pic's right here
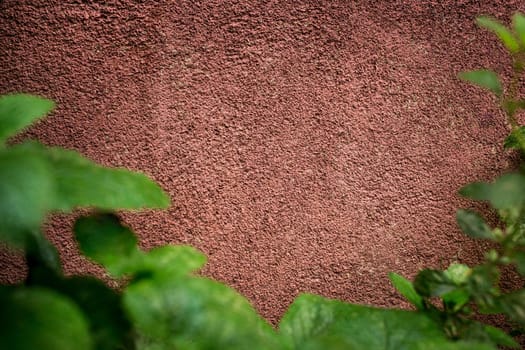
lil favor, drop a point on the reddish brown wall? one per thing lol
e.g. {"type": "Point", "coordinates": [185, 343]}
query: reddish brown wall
{"type": "Point", "coordinates": [307, 146]}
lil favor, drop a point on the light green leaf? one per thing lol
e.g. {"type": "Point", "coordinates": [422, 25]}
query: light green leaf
{"type": "Point", "coordinates": [473, 224]}
{"type": "Point", "coordinates": [173, 261]}
{"type": "Point", "coordinates": [507, 192]}
{"type": "Point", "coordinates": [26, 193]}
{"type": "Point", "coordinates": [82, 183]}
{"type": "Point", "coordinates": [458, 273]}
{"type": "Point", "coordinates": [518, 21]}
{"type": "Point", "coordinates": [18, 111]}
{"type": "Point", "coordinates": [105, 240]}
{"type": "Point", "coordinates": [313, 322]}
{"type": "Point", "coordinates": [406, 289]}
{"type": "Point", "coordinates": [195, 313]}
{"type": "Point", "coordinates": [37, 318]}
{"type": "Point", "coordinates": [503, 33]}
{"type": "Point", "coordinates": [483, 78]}
{"type": "Point", "coordinates": [513, 140]}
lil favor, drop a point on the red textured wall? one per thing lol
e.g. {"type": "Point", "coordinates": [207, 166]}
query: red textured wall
{"type": "Point", "coordinates": [307, 146]}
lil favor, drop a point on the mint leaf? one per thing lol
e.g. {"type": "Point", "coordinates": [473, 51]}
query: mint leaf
{"type": "Point", "coordinates": [313, 322]}
{"type": "Point", "coordinates": [518, 21]}
{"type": "Point", "coordinates": [37, 318]}
{"type": "Point", "coordinates": [82, 183]}
{"type": "Point", "coordinates": [406, 289]}
{"type": "Point", "coordinates": [502, 32]}
{"type": "Point", "coordinates": [195, 313]}
{"type": "Point", "coordinates": [483, 78]}
{"type": "Point", "coordinates": [18, 111]}
{"type": "Point", "coordinates": [473, 224]}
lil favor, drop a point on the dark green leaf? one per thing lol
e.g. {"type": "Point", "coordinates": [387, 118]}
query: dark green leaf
{"type": "Point", "coordinates": [473, 224]}
{"type": "Point", "coordinates": [499, 337]}
{"type": "Point", "coordinates": [102, 306]}
{"type": "Point", "coordinates": [503, 33]}
{"type": "Point", "coordinates": [37, 318]}
{"type": "Point", "coordinates": [41, 255]}
{"type": "Point", "coordinates": [26, 193]}
{"type": "Point", "coordinates": [513, 305]}
{"type": "Point", "coordinates": [518, 21]}
{"type": "Point", "coordinates": [195, 313]}
{"type": "Point", "coordinates": [430, 283]}
{"type": "Point", "coordinates": [456, 299]}
{"type": "Point", "coordinates": [479, 191]}
{"type": "Point", "coordinates": [513, 140]}
{"type": "Point", "coordinates": [519, 258]}
{"type": "Point", "coordinates": [82, 183]}
{"type": "Point", "coordinates": [313, 322]}
{"type": "Point", "coordinates": [105, 240]}
{"type": "Point", "coordinates": [483, 78]}
{"type": "Point", "coordinates": [406, 289]}
{"type": "Point", "coordinates": [18, 111]}
{"type": "Point", "coordinates": [482, 285]}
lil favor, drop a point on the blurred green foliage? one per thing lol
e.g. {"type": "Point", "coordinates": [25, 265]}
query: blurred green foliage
{"type": "Point", "coordinates": [163, 304]}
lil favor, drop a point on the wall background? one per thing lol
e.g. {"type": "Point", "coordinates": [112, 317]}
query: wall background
{"type": "Point", "coordinates": [307, 146]}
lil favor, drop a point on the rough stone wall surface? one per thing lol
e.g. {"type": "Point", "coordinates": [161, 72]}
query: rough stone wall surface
{"type": "Point", "coordinates": [306, 145]}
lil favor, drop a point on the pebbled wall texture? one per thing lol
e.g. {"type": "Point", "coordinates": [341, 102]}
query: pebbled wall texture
{"type": "Point", "coordinates": [307, 146]}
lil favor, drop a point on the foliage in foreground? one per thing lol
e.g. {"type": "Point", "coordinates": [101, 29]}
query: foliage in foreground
{"type": "Point", "coordinates": [164, 304]}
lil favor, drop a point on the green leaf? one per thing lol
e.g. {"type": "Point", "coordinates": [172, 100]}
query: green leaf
{"type": "Point", "coordinates": [473, 224]}
{"type": "Point", "coordinates": [82, 183]}
{"type": "Point", "coordinates": [41, 256]}
{"type": "Point", "coordinates": [26, 193]}
{"type": "Point", "coordinates": [518, 21]}
{"type": "Point", "coordinates": [482, 285]}
{"type": "Point", "coordinates": [195, 313]}
{"type": "Point", "coordinates": [313, 320]}
{"type": "Point", "coordinates": [483, 78]}
{"type": "Point", "coordinates": [105, 240]}
{"type": "Point", "coordinates": [499, 337]}
{"type": "Point", "coordinates": [507, 192]}
{"type": "Point", "coordinates": [513, 140]}
{"type": "Point", "coordinates": [18, 111]}
{"type": "Point", "coordinates": [173, 261]}
{"type": "Point", "coordinates": [108, 324]}
{"type": "Point", "coordinates": [479, 191]}
{"type": "Point", "coordinates": [406, 289]}
{"type": "Point", "coordinates": [513, 305]}
{"type": "Point", "coordinates": [503, 33]}
{"type": "Point", "coordinates": [519, 259]}
{"type": "Point", "coordinates": [36, 318]}
{"type": "Point", "coordinates": [458, 273]}
{"type": "Point", "coordinates": [456, 299]}
{"type": "Point", "coordinates": [430, 283]}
